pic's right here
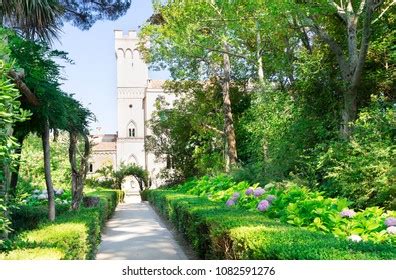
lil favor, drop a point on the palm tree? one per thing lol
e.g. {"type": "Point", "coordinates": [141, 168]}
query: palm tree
{"type": "Point", "coordinates": [34, 19]}
{"type": "Point", "coordinates": [42, 19]}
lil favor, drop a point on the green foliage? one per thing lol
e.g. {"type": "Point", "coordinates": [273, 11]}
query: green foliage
{"type": "Point", "coordinates": [10, 114]}
{"type": "Point", "coordinates": [189, 134]}
{"type": "Point", "coordinates": [362, 169]}
{"type": "Point", "coordinates": [4, 220]}
{"type": "Point", "coordinates": [216, 232]}
{"type": "Point", "coordinates": [289, 128]}
{"type": "Point", "coordinates": [28, 217]}
{"type": "Point", "coordinates": [32, 167]}
{"type": "Point", "coordinates": [295, 205]}
{"type": "Point", "coordinates": [75, 234]}
{"type": "Point", "coordinates": [34, 254]}
{"type": "Point", "coordinates": [107, 177]}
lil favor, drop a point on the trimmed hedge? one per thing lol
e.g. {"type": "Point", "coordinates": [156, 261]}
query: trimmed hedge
{"type": "Point", "coordinates": [74, 235]}
{"type": "Point", "coordinates": [34, 254]}
{"type": "Point", "coordinates": [217, 232]}
{"type": "Point", "coordinates": [27, 217]}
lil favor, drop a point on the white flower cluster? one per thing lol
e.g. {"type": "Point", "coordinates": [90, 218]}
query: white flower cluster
{"type": "Point", "coordinates": [43, 194]}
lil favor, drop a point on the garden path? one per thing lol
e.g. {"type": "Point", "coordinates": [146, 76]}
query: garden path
{"type": "Point", "coordinates": [136, 232]}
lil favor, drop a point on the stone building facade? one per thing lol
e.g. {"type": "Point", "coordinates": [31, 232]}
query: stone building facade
{"type": "Point", "coordinates": [136, 96]}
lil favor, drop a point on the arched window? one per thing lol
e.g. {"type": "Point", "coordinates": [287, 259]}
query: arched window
{"type": "Point", "coordinates": [132, 132]}
{"type": "Point", "coordinates": [131, 129]}
{"type": "Point", "coordinates": [128, 54]}
{"type": "Point", "coordinates": [132, 159]}
{"type": "Point", "coordinates": [90, 167]}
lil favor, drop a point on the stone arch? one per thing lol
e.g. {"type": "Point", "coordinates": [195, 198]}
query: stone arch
{"type": "Point", "coordinates": [136, 54]}
{"type": "Point", "coordinates": [128, 54]}
{"type": "Point", "coordinates": [120, 53]}
{"type": "Point", "coordinates": [133, 159]}
{"type": "Point", "coordinates": [131, 129]}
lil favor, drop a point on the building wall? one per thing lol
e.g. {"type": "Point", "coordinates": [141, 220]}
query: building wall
{"type": "Point", "coordinates": [135, 106]}
{"type": "Point", "coordinates": [132, 77]}
{"type": "Point", "coordinates": [103, 158]}
{"type": "Point", "coordinates": [131, 69]}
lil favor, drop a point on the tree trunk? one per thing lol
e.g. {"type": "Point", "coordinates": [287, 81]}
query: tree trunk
{"type": "Point", "coordinates": [351, 66]}
{"type": "Point", "coordinates": [15, 173]}
{"type": "Point", "coordinates": [349, 112]}
{"type": "Point", "coordinates": [229, 130]}
{"type": "Point", "coordinates": [260, 70]}
{"type": "Point", "coordinates": [47, 171]}
{"type": "Point", "coordinates": [78, 174]}
{"type": "Point", "coordinates": [4, 186]}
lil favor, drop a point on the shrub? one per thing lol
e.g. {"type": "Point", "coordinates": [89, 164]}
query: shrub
{"type": "Point", "coordinates": [217, 232]}
{"type": "Point", "coordinates": [362, 169]}
{"type": "Point", "coordinates": [34, 254]}
{"type": "Point", "coordinates": [27, 217]}
{"type": "Point", "coordinates": [71, 237]}
{"type": "Point", "coordinates": [296, 205]}
{"type": "Point", "coordinates": [74, 235]}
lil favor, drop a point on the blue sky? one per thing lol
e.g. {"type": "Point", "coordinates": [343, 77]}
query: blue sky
{"type": "Point", "coordinates": [92, 77]}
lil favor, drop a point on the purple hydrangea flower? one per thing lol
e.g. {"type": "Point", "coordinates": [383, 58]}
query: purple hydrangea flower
{"type": "Point", "coordinates": [391, 230]}
{"type": "Point", "coordinates": [263, 205]}
{"type": "Point", "coordinates": [259, 192]}
{"type": "Point", "coordinates": [230, 202]}
{"type": "Point", "coordinates": [347, 213]}
{"type": "Point", "coordinates": [390, 222]}
{"type": "Point", "coordinates": [271, 198]}
{"type": "Point", "coordinates": [249, 191]}
{"type": "Point", "coordinates": [355, 238]}
{"type": "Point", "coordinates": [236, 195]}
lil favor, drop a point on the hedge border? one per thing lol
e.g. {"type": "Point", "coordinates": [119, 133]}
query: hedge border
{"type": "Point", "coordinates": [74, 235]}
{"type": "Point", "coordinates": [217, 232]}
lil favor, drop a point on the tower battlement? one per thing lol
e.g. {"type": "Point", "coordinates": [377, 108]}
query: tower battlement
{"type": "Point", "coordinates": [119, 34]}
{"type": "Point", "coordinates": [132, 71]}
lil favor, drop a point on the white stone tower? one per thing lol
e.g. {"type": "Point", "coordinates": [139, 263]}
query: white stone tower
{"type": "Point", "coordinates": [132, 79]}
{"type": "Point", "coordinates": [136, 99]}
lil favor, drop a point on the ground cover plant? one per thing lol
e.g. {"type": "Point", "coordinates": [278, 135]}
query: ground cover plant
{"type": "Point", "coordinates": [225, 219]}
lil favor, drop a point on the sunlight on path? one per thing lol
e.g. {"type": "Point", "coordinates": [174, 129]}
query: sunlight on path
{"type": "Point", "coordinates": [136, 232]}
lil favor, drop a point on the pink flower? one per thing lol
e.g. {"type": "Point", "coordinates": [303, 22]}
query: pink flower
{"type": "Point", "coordinates": [258, 192]}
{"type": "Point", "coordinates": [249, 191]}
{"type": "Point", "coordinates": [391, 221]}
{"type": "Point", "coordinates": [236, 195]}
{"type": "Point", "coordinates": [271, 198]}
{"type": "Point", "coordinates": [230, 202]}
{"type": "Point", "coordinates": [263, 205]}
{"type": "Point", "coordinates": [347, 213]}
{"type": "Point", "coordinates": [391, 230]}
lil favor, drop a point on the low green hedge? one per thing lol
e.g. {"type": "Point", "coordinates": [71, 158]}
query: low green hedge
{"type": "Point", "coordinates": [34, 254]}
{"type": "Point", "coordinates": [27, 217]}
{"type": "Point", "coordinates": [74, 235]}
{"type": "Point", "coordinates": [217, 232]}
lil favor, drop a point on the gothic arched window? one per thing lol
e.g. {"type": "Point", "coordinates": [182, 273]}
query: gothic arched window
{"type": "Point", "coordinates": [131, 129]}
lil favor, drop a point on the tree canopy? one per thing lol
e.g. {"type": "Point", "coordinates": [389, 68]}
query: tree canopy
{"type": "Point", "coordinates": [301, 77]}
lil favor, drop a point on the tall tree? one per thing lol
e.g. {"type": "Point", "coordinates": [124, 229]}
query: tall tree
{"type": "Point", "coordinates": [45, 136]}
{"type": "Point", "coordinates": [32, 18]}
{"type": "Point", "coordinates": [356, 19]}
{"type": "Point", "coordinates": [77, 126]}
{"type": "Point", "coordinates": [197, 35]}
{"type": "Point", "coordinates": [51, 112]}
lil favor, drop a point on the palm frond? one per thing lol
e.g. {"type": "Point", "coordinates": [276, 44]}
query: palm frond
{"type": "Point", "coordinates": [34, 19]}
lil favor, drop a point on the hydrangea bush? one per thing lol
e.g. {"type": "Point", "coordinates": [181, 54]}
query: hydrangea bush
{"type": "Point", "coordinates": [298, 206]}
{"type": "Point", "coordinates": [40, 197]}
